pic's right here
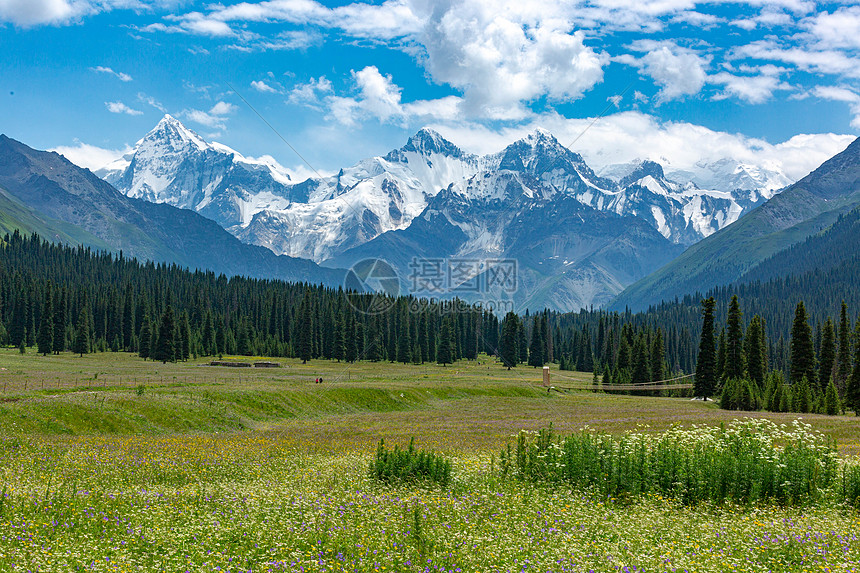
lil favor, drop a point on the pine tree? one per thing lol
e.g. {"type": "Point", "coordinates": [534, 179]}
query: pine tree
{"type": "Point", "coordinates": [509, 353]}
{"type": "Point", "coordinates": [165, 348]}
{"type": "Point", "coordinates": [707, 361]}
{"type": "Point", "coordinates": [404, 343]}
{"type": "Point", "coordinates": [185, 335]}
{"type": "Point", "coordinates": [46, 323]}
{"type": "Point", "coordinates": [734, 365]}
{"type": "Point", "coordinates": [220, 336]}
{"type": "Point", "coordinates": [722, 354]}
{"type": "Point", "coordinates": [536, 351]}
{"type": "Point", "coordinates": [351, 344]}
{"type": "Point", "coordinates": [658, 357]}
{"type": "Point", "coordinates": [306, 328]}
{"type": "Point", "coordinates": [444, 352]}
{"type": "Point", "coordinates": [243, 339]}
{"type": "Point", "coordinates": [755, 352]}
{"type": "Point", "coordinates": [60, 311]}
{"type": "Point", "coordinates": [82, 333]}
{"type": "Point", "coordinates": [522, 345]}
{"type": "Point", "coordinates": [852, 390]}
{"type": "Point", "coordinates": [640, 374]}
{"type": "Point", "coordinates": [843, 357]}
{"type": "Point", "coordinates": [802, 395]}
{"type": "Point", "coordinates": [802, 350]}
{"type": "Point", "coordinates": [827, 356]}
{"type": "Point", "coordinates": [423, 338]}
{"type": "Point", "coordinates": [831, 400]}
{"type": "Point", "coordinates": [145, 338]}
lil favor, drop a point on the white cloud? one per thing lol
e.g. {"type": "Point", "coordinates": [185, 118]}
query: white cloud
{"type": "Point", "coordinates": [839, 29]}
{"type": "Point", "coordinates": [677, 70]}
{"type": "Point", "coordinates": [821, 61]}
{"type": "Point", "coordinates": [119, 107]}
{"type": "Point", "coordinates": [263, 87]}
{"type": "Point", "coordinates": [309, 94]}
{"type": "Point", "coordinates": [28, 13]}
{"type": "Point", "coordinates": [502, 55]}
{"type": "Point", "coordinates": [215, 118]}
{"type": "Point", "coordinates": [90, 156]}
{"type": "Point", "coordinates": [752, 89]}
{"type": "Point", "coordinates": [122, 76]}
{"type": "Point", "coordinates": [627, 136]}
{"type": "Point", "coordinates": [151, 101]}
{"type": "Point", "coordinates": [379, 97]}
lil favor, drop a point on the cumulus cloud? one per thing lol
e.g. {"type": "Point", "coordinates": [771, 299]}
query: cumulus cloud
{"type": "Point", "coordinates": [122, 76]}
{"type": "Point", "coordinates": [820, 61]}
{"type": "Point", "coordinates": [262, 87]}
{"type": "Point", "coordinates": [89, 156]}
{"type": "Point", "coordinates": [679, 71]}
{"type": "Point", "coordinates": [380, 98]}
{"type": "Point", "coordinates": [838, 29]}
{"type": "Point", "coordinates": [28, 13]}
{"type": "Point", "coordinates": [754, 89]}
{"type": "Point", "coordinates": [119, 107]}
{"type": "Point", "coordinates": [215, 118]}
{"type": "Point", "coordinates": [310, 94]}
{"type": "Point", "coordinates": [501, 56]}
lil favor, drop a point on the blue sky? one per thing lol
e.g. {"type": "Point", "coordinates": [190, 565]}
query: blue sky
{"type": "Point", "coordinates": [678, 80]}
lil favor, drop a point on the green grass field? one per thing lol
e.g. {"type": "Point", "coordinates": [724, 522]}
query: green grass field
{"type": "Point", "coordinates": [110, 463]}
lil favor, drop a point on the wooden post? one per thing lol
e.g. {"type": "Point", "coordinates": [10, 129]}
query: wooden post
{"type": "Point", "coordinates": [546, 375]}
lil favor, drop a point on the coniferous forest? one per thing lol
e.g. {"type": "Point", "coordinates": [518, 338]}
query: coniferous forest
{"type": "Point", "coordinates": [59, 298]}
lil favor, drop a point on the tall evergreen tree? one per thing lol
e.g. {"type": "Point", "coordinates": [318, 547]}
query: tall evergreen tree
{"type": "Point", "coordinates": [509, 353]}
{"type": "Point", "coordinates": [827, 356]}
{"type": "Point", "coordinates": [404, 342]}
{"type": "Point", "coordinates": [306, 328]}
{"type": "Point", "coordinates": [536, 352]}
{"type": "Point", "coordinates": [144, 346]}
{"type": "Point", "coordinates": [802, 350]}
{"type": "Point", "coordinates": [522, 344]}
{"type": "Point", "coordinates": [706, 365]}
{"type": "Point", "coordinates": [445, 351]}
{"type": "Point", "coordinates": [852, 390]}
{"type": "Point", "coordinates": [755, 352]}
{"type": "Point", "coordinates": [641, 356]}
{"type": "Point", "coordinates": [165, 347]}
{"type": "Point", "coordinates": [46, 323]}
{"type": "Point", "coordinates": [734, 365]}
{"type": "Point", "coordinates": [843, 356]}
{"type": "Point", "coordinates": [658, 357]}
{"type": "Point", "coordinates": [60, 312]}
{"type": "Point", "coordinates": [82, 333]}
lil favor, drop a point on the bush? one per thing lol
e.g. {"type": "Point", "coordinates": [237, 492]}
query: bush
{"type": "Point", "coordinates": [409, 465]}
{"type": "Point", "coordinates": [749, 461]}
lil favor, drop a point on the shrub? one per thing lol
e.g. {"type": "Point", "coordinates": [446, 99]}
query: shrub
{"type": "Point", "coordinates": [409, 465]}
{"type": "Point", "coordinates": [749, 461]}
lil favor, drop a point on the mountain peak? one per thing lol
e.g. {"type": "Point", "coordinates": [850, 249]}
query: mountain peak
{"type": "Point", "coordinates": [427, 141]}
{"type": "Point", "coordinates": [644, 169]}
{"type": "Point", "coordinates": [173, 131]}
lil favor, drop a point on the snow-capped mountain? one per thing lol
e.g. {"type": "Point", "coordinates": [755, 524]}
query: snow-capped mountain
{"type": "Point", "coordinates": [581, 237]}
{"type": "Point", "coordinates": [174, 165]}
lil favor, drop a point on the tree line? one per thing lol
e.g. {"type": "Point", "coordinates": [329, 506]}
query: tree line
{"type": "Point", "coordinates": [823, 377]}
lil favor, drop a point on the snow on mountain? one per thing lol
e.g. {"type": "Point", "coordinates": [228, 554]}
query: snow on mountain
{"type": "Point", "coordinates": [322, 217]}
{"type": "Point", "coordinates": [174, 165]}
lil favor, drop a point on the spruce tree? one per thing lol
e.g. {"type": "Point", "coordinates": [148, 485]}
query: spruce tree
{"type": "Point", "coordinates": [641, 355]}
{"type": "Point", "coordinates": [722, 353]}
{"type": "Point", "coordinates": [802, 350]}
{"type": "Point", "coordinates": [185, 335]}
{"type": "Point", "coordinates": [145, 338]}
{"type": "Point", "coordinates": [843, 356]}
{"type": "Point", "coordinates": [444, 352]}
{"type": "Point", "coordinates": [852, 390]}
{"type": "Point", "coordinates": [509, 353]}
{"type": "Point", "coordinates": [82, 333]}
{"type": "Point", "coordinates": [165, 347]}
{"type": "Point", "coordinates": [831, 400]}
{"type": "Point", "coordinates": [60, 309]}
{"type": "Point", "coordinates": [352, 346]}
{"type": "Point", "coordinates": [522, 345]}
{"type": "Point", "coordinates": [46, 323]}
{"type": "Point", "coordinates": [755, 352]}
{"type": "Point", "coordinates": [536, 352]}
{"type": "Point", "coordinates": [827, 356]}
{"type": "Point", "coordinates": [707, 362]}
{"type": "Point", "coordinates": [734, 364]}
{"type": "Point", "coordinates": [404, 343]}
{"type": "Point", "coordinates": [306, 328]}
{"type": "Point", "coordinates": [658, 357]}
{"type": "Point", "coordinates": [423, 338]}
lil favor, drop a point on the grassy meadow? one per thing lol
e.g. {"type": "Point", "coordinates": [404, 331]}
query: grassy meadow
{"type": "Point", "coordinates": [110, 463]}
